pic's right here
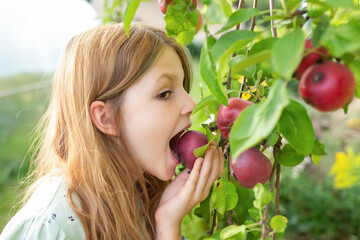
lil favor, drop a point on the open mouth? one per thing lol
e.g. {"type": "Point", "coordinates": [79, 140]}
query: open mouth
{"type": "Point", "coordinates": [174, 143]}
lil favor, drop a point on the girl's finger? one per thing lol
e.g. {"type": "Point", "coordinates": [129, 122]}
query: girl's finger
{"type": "Point", "coordinates": [192, 182]}
{"type": "Point", "coordinates": [204, 174]}
{"type": "Point", "coordinates": [215, 171]}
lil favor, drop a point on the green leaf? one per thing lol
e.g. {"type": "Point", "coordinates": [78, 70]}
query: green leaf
{"type": "Point", "coordinates": [234, 231]}
{"type": "Point", "coordinates": [288, 157]}
{"type": "Point", "coordinates": [295, 125]}
{"type": "Point", "coordinates": [257, 121]}
{"type": "Point", "coordinates": [224, 197]}
{"type": "Point", "coordinates": [355, 68]}
{"type": "Point", "coordinates": [203, 103]}
{"type": "Point", "coordinates": [238, 17]}
{"type": "Point", "coordinates": [203, 211]}
{"type": "Point", "coordinates": [317, 8]}
{"type": "Point", "coordinates": [316, 159]}
{"type": "Point", "coordinates": [218, 11]}
{"type": "Point", "coordinates": [340, 39]}
{"type": "Point", "coordinates": [319, 148]}
{"type": "Point", "coordinates": [293, 4]}
{"type": "Point", "coordinates": [208, 73]}
{"type": "Point", "coordinates": [262, 196]}
{"type": "Point", "coordinates": [254, 213]}
{"type": "Point", "coordinates": [263, 44]}
{"type": "Point", "coordinates": [278, 223]}
{"type": "Point", "coordinates": [250, 60]}
{"type": "Point", "coordinates": [321, 25]}
{"type": "Point", "coordinates": [186, 37]}
{"type": "Point", "coordinates": [200, 151]}
{"type": "Point", "coordinates": [180, 17]}
{"type": "Point", "coordinates": [230, 42]}
{"type": "Point", "coordinates": [342, 3]}
{"type": "Point", "coordinates": [248, 72]}
{"type": "Point", "coordinates": [318, 152]}
{"type": "Point", "coordinates": [130, 13]}
{"type": "Point", "coordinates": [272, 139]}
{"type": "Point", "coordinates": [286, 53]}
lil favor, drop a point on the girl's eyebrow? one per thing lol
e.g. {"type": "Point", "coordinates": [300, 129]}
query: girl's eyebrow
{"type": "Point", "coordinates": [166, 75]}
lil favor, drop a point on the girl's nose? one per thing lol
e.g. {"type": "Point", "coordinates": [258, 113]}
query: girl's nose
{"type": "Point", "coordinates": [188, 104]}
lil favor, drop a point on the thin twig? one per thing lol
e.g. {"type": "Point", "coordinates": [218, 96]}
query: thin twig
{"type": "Point", "coordinates": [277, 196]}
{"type": "Point", "coordinates": [228, 78]}
{"type": "Point", "coordinates": [277, 185]}
{"type": "Point", "coordinates": [252, 27]}
{"type": "Point", "coordinates": [228, 87]}
{"type": "Point", "coordinates": [213, 223]}
{"type": "Point", "coordinates": [264, 220]}
{"type": "Point", "coordinates": [273, 29]}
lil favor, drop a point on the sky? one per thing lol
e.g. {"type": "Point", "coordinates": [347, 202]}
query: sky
{"type": "Point", "coordinates": [34, 32]}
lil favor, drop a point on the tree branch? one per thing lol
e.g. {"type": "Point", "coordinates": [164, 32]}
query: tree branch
{"type": "Point", "coordinates": [273, 29]}
{"type": "Point", "coordinates": [213, 223]}
{"type": "Point", "coordinates": [264, 219]}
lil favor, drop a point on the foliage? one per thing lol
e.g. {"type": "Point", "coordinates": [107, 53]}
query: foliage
{"type": "Point", "coordinates": [258, 64]}
{"type": "Point", "coordinates": [18, 117]}
{"type": "Point", "coordinates": [315, 210]}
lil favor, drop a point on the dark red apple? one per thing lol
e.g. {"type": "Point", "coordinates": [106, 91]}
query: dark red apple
{"type": "Point", "coordinates": [227, 115]}
{"type": "Point", "coordinates": [328, 86]}
{"type": "Point", "coordinates": [185, 146]}
{"type": "Point", "coordinates": [314, 55]}
{"type": "Point", "coordinates": [251, 167]}
{"type": "Point", "coordinates": [164, 3]}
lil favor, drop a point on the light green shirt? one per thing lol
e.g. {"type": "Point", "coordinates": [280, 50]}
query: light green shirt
{"type": "Point", "coordinates": [47, 215]}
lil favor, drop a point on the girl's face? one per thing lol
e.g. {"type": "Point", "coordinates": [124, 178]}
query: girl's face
{"type": "Point", "coordinates": [153, 110]}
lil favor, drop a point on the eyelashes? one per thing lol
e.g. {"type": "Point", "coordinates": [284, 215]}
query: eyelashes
{"type": "Point", "coordinates": [165, 94]}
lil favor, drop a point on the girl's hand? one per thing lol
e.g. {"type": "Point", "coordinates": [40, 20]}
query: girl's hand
{"type": "Point", "coordinates": [186, 191]}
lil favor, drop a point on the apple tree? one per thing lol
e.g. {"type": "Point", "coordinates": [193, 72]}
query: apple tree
{"type": "Point", "coordinates": [247, 65]}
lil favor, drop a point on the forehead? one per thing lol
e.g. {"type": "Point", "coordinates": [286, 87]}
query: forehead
{"type": "Point", "coordinates": [167, 65]}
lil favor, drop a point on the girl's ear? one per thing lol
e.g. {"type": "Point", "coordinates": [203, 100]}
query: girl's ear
{"type": "Point", "coordinates": [100, 114]}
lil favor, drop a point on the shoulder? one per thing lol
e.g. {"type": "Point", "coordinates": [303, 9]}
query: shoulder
{"type": "Point", "coordinates": [47, 215]}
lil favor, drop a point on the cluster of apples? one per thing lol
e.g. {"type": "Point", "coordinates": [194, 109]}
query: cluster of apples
{"type": "Point", "coordinates": [325, 85]}
{"type": "Point", "coordinates": [163, 8]}
{"type": "Point", "coordinates": [250, 168]}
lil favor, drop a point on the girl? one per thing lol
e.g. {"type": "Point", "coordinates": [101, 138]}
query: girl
{"type": "Point", "coordinates": [103, 162]}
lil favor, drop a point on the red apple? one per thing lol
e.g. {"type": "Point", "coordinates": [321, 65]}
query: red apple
{"type": "Point", "coordinates": [311, 58]}
{"type": "Point", "coordinates": [227, 115]}
{"type": "Point", "coordinates": [185, 146]}
{"type": "Point", "coordinates": [251, 167]}
{"type": "Point", "coordinates": [328, 86]}
{"type": "Point", "coordinates": [164, 3]}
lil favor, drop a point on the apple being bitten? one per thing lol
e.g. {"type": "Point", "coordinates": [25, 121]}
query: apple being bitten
{"type": "Point", "coordinates": [185, 146]}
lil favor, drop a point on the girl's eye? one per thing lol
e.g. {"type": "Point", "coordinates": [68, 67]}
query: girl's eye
{"type": "Point", "coordinates": [164, 95]}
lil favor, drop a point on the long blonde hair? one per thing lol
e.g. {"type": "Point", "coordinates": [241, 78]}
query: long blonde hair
{"type": "Point", "coordinates": [117, 200]}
